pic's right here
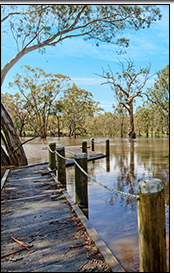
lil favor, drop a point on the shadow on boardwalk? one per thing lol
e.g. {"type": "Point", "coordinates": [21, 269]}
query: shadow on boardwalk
{"type": "Point", "coordinates": [35, 210]}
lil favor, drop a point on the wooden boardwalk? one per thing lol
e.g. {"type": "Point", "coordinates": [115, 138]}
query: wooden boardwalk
{"type": "Point", "coordinates": [35, 210]}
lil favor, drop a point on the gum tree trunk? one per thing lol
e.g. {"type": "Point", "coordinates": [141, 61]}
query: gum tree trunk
{"type": "Point", "coordinates": [131, 132]}
{"type": "Point", "coordinates": [12, 142]}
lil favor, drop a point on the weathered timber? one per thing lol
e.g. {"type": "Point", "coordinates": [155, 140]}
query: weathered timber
{"type": "Point", "coordinates": [107, 147]}
{"type": "Point", "coordinates": [36, 211]}
{"type": "Point", "coordinates": [81, 186]}
{"type": "Point", "coordinates": [52, 156]}
{"type": "Point", "coordinates": [61, 165]}
{"type": "Point", "coordinates": [84, 147]}
{"type": "Point", "coordinates": [151, 226]}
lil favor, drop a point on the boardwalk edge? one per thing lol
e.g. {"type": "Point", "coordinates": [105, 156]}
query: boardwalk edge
{"type": "Point", "coordinates": [102, 247]}
{"type": "Point", "coordinates": [4, 178]}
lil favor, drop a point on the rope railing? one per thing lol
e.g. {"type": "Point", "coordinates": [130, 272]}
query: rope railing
{"type": "Point", "coordinates": [91, 178]}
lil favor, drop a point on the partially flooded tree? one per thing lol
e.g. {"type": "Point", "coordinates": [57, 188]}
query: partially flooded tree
{"type": "Point", "coordinates": [40, 90]}
{"type": "Point", "coordinates": [127, 85]}
{"type": "Point", "coordinates": [78, 106]}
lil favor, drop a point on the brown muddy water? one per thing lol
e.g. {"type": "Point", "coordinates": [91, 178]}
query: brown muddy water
{"type": "Point", "coordinates": [114, 216]}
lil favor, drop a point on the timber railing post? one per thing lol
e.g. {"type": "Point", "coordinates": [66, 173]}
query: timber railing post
{"type": "Point", "coordinates": [81, 187]}
{"type": "Point", "coordinates": [52, 156]}
{"type": "Point", "coordinates": [107, 147]}
{"type": "Point", "coordinates": [61, 166]}
{"type": "Point", "coordinates": [151, 226]}
{"type": "Point", "coordinates": [84, 147]}
{"type": "Point", "coordinates": [92, 144]}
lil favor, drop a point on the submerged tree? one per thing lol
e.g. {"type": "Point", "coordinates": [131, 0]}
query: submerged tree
{"type": "Point", "coordinates": [127, 85]}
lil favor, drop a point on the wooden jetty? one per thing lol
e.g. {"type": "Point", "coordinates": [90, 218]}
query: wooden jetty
{"type": "Point", "coordinates": [35, 210]}
{"type": "Point", "coordinates": [72, 150]}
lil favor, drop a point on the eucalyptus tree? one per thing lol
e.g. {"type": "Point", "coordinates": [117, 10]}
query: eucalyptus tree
{"type": "Point", "coordinates": [57, 111]}
{"type": "Point", "coordinates": [122, 119]}
{"type": "Point", "coordinates": [35, 27]}
{"type": "Point", "coordinates": [40, 90]}
{"type": "Point", "coordinates": [127, 85]}
{"type": "Point", "coordinates": [158, 95]}
{"type": "Point", "coordinates": [144, 119]}
{"type": "Point", "coordinates": [78, 106]}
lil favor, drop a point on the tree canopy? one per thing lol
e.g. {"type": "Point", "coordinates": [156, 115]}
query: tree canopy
{"type": "Point", "coordinates": [40, 89]}
{"type": "Point", "coordinates": [158, 94]}
{"type": "Point", "coordinates": [78, 107]}
{"type": "Point", "coordinates": [37, 26]}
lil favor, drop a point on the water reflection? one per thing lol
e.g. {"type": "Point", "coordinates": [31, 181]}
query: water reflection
{"type": "Point", "coordinates": [108, 164]}
{"type": "Point", "coordinates": [114, 216]}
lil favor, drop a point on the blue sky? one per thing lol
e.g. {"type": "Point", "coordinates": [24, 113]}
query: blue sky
{"type": "Point", "coordinates": [80, 60]}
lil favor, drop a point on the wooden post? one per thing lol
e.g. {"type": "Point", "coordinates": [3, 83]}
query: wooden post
{"type": "Point", "coordinates": [81, 187]}
{"type": "Point", "coordinates": [61, 166]}
{"type": "Point", "coordinates": [84, 147]}
{"type": "Point", "coordinates": [92, 144]}
{"type": "Point", "coordinates": [52, 156]}
{"type": "Point", "coordinates": [107, 147]}
{"type": "Point", "coordinates": [151, 226]}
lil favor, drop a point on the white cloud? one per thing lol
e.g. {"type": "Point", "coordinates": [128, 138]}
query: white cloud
{"type": "Point", "coordinates": [87, 81]}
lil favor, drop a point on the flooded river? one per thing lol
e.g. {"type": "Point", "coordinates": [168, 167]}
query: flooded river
{"type": "Point", "coordinates": [114, 216]}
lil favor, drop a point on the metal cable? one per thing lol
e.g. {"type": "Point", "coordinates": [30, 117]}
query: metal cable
{"type": "Point", "coordinates": [90, 177]}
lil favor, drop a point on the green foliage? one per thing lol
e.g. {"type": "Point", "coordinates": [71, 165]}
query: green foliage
{"type": "Point", "coordinates": [15, 106]}
{"type": "Point", "coordinates": [49, 24]}
{"type": "Point", "coordinates": [158, 98]}
{"type": "Point", "coordinates": [39, 91]}
{"type": "Point", "coordinates": [78, 106]}
{"type": "Point", "coordinates": [158, 94]}
{"type": "Point", "coordinates": [166, 154]}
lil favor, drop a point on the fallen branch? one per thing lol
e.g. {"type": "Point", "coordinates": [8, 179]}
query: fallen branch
{"type": "Point", "coordinates": [20, 243]}
{"type": "Point", "coordinates": [27, 140]}
{"type": "Point", "coordinates": [11, 253]}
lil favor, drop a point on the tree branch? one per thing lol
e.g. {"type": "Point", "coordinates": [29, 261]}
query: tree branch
{"type": "Point", "coordinates": [27, 140]}
{"type": "Point", "coordinates": [125, 106]}
{"type": "Point", "coordinates": [11, 13]}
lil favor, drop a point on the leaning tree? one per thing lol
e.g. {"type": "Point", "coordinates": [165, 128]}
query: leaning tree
{"type": "Point", "coordinates": [35, 27]}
